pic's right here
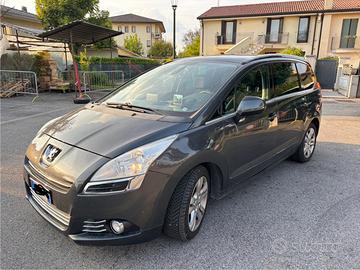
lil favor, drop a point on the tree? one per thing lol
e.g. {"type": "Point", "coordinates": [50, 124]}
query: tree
{"type": "Point", "coordinates": [54, 13]}
{"type": "Point", "coordinates": [293, 51]}
{"type": "Point", "coordinates": [161, 49]}
{"type": "Point", "coordinates": [101, 18]}
{"type": "Point", "coordinates": [192, 44]}
{"type": "Point", "coordinates": [133, 44]}
{"type": "Point", "coordinates": [190, 36]}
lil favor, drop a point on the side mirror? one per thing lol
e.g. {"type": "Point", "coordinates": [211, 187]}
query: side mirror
{"type": "Point", "coordinates": [251, 105]}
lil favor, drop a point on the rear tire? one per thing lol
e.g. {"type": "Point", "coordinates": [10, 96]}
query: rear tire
{"type": "Point", "coordinates": [307, 146]}
{"type": "Point", "coordinates": [187, 207]}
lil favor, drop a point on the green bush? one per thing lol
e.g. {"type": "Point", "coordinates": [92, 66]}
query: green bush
{"type": "Point", "coordinates": [120, 60]}
{"type": "Point", "coordinates": [98, 79]}
{"type": "Point", "coordinates": [293, 51]}
{"type": "Point", "coordinates": [330, 58]}
{"type": "Point", "coordinates": [27, 62]}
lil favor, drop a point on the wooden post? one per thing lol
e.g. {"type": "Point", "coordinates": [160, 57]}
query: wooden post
{"type": "Point", "coordinates": [17, 43]}
{"type": "Point", "coordinates": [66, 61]}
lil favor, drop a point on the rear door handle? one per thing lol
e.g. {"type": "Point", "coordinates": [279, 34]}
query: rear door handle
{"type": "Point", "coordinates": [272, 116]}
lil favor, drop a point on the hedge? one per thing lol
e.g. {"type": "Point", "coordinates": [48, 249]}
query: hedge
{"type": "Point", "coordinates": [120, 60]}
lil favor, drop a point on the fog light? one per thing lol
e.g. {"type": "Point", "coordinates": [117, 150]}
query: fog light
{"type": "Point", "coordinates": [117, 226]}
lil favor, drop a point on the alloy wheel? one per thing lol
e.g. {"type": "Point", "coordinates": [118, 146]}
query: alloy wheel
{"type": "Point", "coordinates": [198, 203]}
{"type": "Point", "coordinates": [309, 142]}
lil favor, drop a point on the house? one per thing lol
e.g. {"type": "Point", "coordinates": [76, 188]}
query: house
{"type": "Point", "coordinates": [18, 17]}
{"type": "Point", "coordinates": [148, 30]}
{"type": "Point", "coordinates": [320, 28]}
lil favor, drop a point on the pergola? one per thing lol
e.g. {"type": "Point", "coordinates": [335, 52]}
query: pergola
{"type": "Point", "coordinates": [83, 33]}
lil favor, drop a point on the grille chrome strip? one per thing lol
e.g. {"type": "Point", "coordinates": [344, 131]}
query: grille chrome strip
{"type": "Point", "coordinates": [95, 222]}
{"type": "Point", "coordinates": [94, 226]}
{"type": "Point", "coordinates": [57, 214]}
{"type": "Point", "coordinates": [94, 231]}
{"type": "Point", "coordinates": [59, 185]}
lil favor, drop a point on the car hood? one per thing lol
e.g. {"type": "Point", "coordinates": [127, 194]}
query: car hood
{"type": "Point", "coordinates": [110, 132]}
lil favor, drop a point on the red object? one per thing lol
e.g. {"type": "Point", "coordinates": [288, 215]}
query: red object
{"type": "Point", "coordinates": [278, 8]}
{"type": "Point", "coordinates": [77, 79]}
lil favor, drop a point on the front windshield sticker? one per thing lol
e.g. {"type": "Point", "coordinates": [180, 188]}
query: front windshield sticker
{"type": "Point", "coordinates": [178, 100]}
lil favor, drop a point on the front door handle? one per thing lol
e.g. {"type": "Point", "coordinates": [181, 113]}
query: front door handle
{"type": "Point", "coordinates": [272, 116]}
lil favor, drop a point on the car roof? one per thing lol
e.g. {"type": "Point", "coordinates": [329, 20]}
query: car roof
{"type": "Point", "coordinates": [242, 59]}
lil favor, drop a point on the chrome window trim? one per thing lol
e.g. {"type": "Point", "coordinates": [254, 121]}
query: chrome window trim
{"type": "Point", "coordinates": [221, 118]}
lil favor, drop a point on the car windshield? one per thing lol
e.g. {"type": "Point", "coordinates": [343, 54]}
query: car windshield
{"type": "Point", "coordinates": [180, 86]}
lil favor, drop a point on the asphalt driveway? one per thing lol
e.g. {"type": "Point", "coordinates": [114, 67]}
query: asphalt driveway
{"type": "Point", "coordinates": [292, 216]}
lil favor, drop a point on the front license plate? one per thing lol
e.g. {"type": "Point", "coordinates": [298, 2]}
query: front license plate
{"type": "Point", "coordinates": [41, 191]}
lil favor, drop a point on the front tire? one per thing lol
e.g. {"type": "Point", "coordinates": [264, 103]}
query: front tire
{"type": "Point", "coordinates": [187, 206]}
{"type": "Point", "coordinates": [307, 146]}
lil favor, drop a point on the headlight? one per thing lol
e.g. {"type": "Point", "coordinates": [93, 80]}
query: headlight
{"type": "Point", "coordinates": [131, 166]}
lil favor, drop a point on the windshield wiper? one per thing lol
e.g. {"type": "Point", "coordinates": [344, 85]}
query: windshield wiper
{"type": "Point", "coordinates": [131, 107]}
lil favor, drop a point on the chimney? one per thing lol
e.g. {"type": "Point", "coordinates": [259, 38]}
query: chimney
{"type": "Point", "coordinates": [23, 8]}
{"type": "Point", "coordinates": [328, 4]}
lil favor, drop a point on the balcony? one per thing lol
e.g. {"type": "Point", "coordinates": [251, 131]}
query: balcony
{"type": "Point", "coordinates": [221, 40]}
{"type": "Point", "coordinates": [345, 44]}
{"type": "Point", "coordinates": [278, 38]}
{"type": "Point", "coordinates": [156, 35]}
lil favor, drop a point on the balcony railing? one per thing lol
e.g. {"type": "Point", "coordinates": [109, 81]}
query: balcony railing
{"type": "Point", "coordinates": [221, 39]}
{"type": "Point", "coordinates": [278, 38]}
{"type": "Point", "coordinates": [345, 43]}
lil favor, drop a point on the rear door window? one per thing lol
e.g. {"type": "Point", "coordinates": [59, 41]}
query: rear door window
{"type": "Point", "coordinates": [307, 77]}
{"type": "Point", "coordinates": [285, 78]}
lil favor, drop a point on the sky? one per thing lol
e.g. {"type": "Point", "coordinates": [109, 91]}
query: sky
{"type": "Point", "coordinates": [186, 13]}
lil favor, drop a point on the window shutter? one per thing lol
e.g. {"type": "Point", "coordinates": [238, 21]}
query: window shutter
{"type": "Point", "coordinates": [234, 32]}
{"type": "Point", "coordinates": [268, 27]}
{"type": "Point", "coordinates": [223, 29]}
{"type": "Point", "coordinates": [281, 28]}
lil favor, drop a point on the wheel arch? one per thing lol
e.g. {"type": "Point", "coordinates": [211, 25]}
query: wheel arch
{"type": "Point", "coordinates": [316, 122]}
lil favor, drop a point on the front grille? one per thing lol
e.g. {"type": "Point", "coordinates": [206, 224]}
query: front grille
{"type": "Point", "coordinates": [94, 226]}
{"type": "Point", "coordinates": [58, 215]}
{"type": "Point", "coordinates": [60, 185]}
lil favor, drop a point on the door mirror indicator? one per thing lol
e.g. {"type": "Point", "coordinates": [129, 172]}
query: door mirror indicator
{"type": "Point", "coordinates": [250, 105]}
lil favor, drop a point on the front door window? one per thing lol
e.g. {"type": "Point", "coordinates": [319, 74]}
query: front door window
{"type": "Point", "coordinates": [303, 32]}
{"type": "Point", "coordinates": [228, 32]}
{"type": "Point", "coordinates": [274, 30]}
{"type": "Point", "coordinates": [348, 33]}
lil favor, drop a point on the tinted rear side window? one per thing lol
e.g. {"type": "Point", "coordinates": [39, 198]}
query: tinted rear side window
{"type": "Point", "coordinates": [285, 78]}
{"type": "Point", "coordinates": [307, 77]}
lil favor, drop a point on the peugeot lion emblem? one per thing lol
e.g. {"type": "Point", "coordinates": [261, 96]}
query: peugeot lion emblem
{"type": "Point", "coordinates": [50, 153]}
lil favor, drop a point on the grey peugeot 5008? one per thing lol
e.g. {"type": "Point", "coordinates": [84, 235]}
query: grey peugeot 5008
{"type": "Point", "coordinates": [146, 158]}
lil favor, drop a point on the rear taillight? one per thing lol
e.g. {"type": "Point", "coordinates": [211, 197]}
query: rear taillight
{"type": "Point", "coordinates": [317, 85]}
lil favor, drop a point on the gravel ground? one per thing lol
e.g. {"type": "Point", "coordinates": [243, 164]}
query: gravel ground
{"type": "Point", "coordinates": [292, 216]}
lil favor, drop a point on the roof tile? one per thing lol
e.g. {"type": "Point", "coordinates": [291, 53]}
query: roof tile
{"type": "Point", "coordinates": [277, 8]}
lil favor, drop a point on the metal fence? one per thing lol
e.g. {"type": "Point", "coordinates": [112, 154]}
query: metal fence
{"type": "Point", "coordinates": [13, 82]}
{"type": "Point", "coordinates": [101, 80]}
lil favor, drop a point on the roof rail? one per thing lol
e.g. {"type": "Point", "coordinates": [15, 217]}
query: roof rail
{"type": "Point", "coordinates": [273, 55]}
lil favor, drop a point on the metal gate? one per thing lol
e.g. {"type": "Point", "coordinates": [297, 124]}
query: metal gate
{"type": "Point", "coordinates": [326, 71]}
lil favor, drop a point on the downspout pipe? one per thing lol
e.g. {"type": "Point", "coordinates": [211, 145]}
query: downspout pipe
{"type": "Point", "coordinates": [202, 37]}
{"type": "Point", "coordinates": [319, 43]}
{"type": "Point", "coordinates": [314, 34]}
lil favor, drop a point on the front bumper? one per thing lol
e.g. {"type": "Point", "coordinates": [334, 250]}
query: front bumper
{"type": "Point", "coordinates": [143, 210]}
